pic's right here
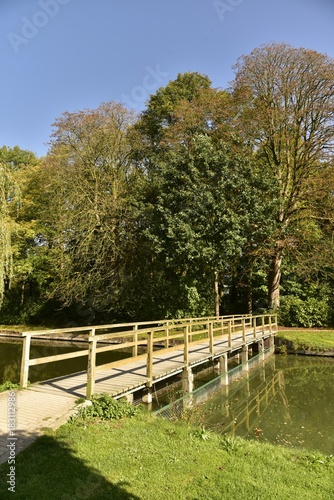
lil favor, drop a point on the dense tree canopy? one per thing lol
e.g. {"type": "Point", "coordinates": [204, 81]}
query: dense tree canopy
{"type": "Point", "coordinates": [210, 201]}
{"type": "Point", "coordinates": [89, 178]}
{"type": "Point", "coordinates": [285, 98]}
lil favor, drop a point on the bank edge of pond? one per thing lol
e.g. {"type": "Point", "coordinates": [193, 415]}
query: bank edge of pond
{"type": "Point", "coordinates": [99, 459]}
{"type": "Point", "coordinates": [308, 342]}
{"type": "Point", "coordinates": [16, 335]}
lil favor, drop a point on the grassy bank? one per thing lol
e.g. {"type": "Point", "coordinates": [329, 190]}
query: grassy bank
{"type": "Point", "coordinates": [150, 459]}
{"type": "Point", "coordinates": [309, 340]}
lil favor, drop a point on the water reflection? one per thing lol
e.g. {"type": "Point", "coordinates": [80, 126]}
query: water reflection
{"type": "Point", "coordinates": [287, 400]}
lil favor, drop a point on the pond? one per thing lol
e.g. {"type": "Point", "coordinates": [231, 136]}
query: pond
{"type": "Point", "coordinates": [289, 400]}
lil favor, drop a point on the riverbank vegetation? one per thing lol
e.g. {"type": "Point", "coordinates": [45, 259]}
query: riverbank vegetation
{"type": "Point", "coordinates": [150, 458]}
{"type": "Point", "coordinates": [308, 340]}
{"type": "Point", "coordinates": [209, 201]}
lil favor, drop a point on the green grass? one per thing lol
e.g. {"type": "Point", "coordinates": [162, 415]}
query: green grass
{"type": "Point", "coordinates": [150, 459]}
{"type": "Point", "coordinates": [21, 328]}
{"type": "Point", "coordinates": [317, 340]}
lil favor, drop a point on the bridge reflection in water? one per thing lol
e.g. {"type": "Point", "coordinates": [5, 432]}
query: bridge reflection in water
{"type": "Point", "coordinates": [235, 408]}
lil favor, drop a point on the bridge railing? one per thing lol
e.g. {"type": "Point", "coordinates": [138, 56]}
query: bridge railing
{"type": "Point", "coordinates": [144, 339]}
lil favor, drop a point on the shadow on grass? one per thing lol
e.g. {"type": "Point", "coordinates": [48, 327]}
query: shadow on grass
{"type": "Point", "coordinates": [49, 470]}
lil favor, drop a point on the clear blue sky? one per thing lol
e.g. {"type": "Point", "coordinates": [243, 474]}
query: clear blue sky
{"type": "Point", "coordinates": [66, 55]}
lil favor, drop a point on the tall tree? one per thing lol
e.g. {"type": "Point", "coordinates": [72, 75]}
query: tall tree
{"type": "Point", "coordinates": [285, 106]}
{"type": "Point", "coordinates": [18, 219]}
{"type": "Point", "coordinates": [90, 181]}
{"type": "Point", "coordinates": [14, 164]}
{"type": "Point", "coordinates": [7, 195]}
{"type": "Point", "coordinates": [207, 190]}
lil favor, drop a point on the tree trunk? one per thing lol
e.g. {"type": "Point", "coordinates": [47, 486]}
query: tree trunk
{"type": "Point", "coordinates": [249, 299]}
{"type": "Point", "coordinates": [249, 282]}
{"type": "Point", "coordinates": [217, 295]}
{"type": "Point", "coordinates": [274, 279]}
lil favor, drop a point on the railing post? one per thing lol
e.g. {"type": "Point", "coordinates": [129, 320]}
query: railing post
{"type": "Point", "coordinates": [186, 346]}
{"type": "Point", "coordinates": [167, 335]}
{"type": "Point", "coordinates": [254, 326]}
{"type": "Point", "coordinates": [91, 365]}
{"type": "Point", "coordinates": [149, 365]}
{"type": "Point", "coordinates": [230, 333]}
{"type": "Point", "coordinates": [135, 339]}
{"type": "Point", "coordinates": [243, 321]}
{"type": "Point", "coordinates": [25, 360]}
{"type": "Point", "coordinates": [210, 328]}
{"type": "Point", "coordinates": [262, 324]}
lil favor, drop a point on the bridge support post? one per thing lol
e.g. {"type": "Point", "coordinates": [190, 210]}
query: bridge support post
{"type": "Point", "coordinates": [223, 369]}
{"type": "Point", "coordinates": [129, 397]}
{"type": "Point", "coordinates": [272, 343]}
{"type": "Point", "coordinates": [187, 380]}
{"type": "Point", "coordinates": [244, 358]}
{"type": "Point", "coordinates": [261, 348]}
{"type": "Point", "coordinates": [147, 395]}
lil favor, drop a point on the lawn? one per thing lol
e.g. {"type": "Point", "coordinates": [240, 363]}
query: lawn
{"type": "Point", "coordinates": [149, 458]}
{"type": "Point", "coordinates": [315, 340]}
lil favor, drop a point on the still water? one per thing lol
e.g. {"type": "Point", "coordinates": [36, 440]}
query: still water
{"type": "Point", "coordinates": [288, 400]}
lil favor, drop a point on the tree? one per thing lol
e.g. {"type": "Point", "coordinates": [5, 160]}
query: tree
{"type": "Point", "coordinates": [207, 191]}
{"type": "Point", "coordinates": [209, 204]}
{"type": "Point", "coordinates": [18, 224]}
{"type": "Point", "coordinates": [8, 194]}
{"type": "Point", "coordinates": [90, 183]}
{"type": "Point", "coordinates": [159, 114]}
{"type": "Point", "coordinates": [285, 106]}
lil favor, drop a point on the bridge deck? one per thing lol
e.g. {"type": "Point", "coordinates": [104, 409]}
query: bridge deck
{"type": "Point", "coordinates": [51, 402]}
{"type": "Point", "coordinates": [131, 377]}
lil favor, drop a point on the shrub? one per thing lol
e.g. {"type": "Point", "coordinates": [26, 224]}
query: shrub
{"type": "Point", "coordinates": [307, 313]}
{"type": "Point", "coordinates": [7, 386]}
{"type": "Point", "coordinates": [105, 407]}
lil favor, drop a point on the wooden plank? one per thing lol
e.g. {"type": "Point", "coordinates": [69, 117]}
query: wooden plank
{"type": "Point", "coordinates": [131, 373]}
{"type": "Point", "coordinates": [57, 357]}
{"type": "Point", "coordinates": [121, 362]}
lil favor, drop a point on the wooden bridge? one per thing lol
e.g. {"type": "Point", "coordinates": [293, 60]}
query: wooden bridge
{"type": "Point", "coordinates": [155, 351]}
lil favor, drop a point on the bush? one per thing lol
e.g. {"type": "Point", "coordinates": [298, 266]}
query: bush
{"type": "Point", "coordinates": [8, 386]}
{"type": "Point", "coordinates": [105, 407]}
{"type": "Point", "coordinates": [306, 313]}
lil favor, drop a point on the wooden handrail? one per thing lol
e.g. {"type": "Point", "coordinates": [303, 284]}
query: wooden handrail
{"type": "Point", "coordinates": [112, 326]}
{"type": "Point", "coordinates": [189, 331]}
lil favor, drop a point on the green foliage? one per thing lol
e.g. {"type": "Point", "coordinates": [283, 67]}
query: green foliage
{"type": "Point", "coordinates": [7, 386]}
{"type": "Point", "coordinates": [180, 210]}
{"type": "Point", "coordinates": [201, 433]}
{"type": "Point", "coordinates": [231, 443]}
{"type": "Point", "coordinates": [104, 407]}
{"type": "Point", "coordinates": [308, 313]}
